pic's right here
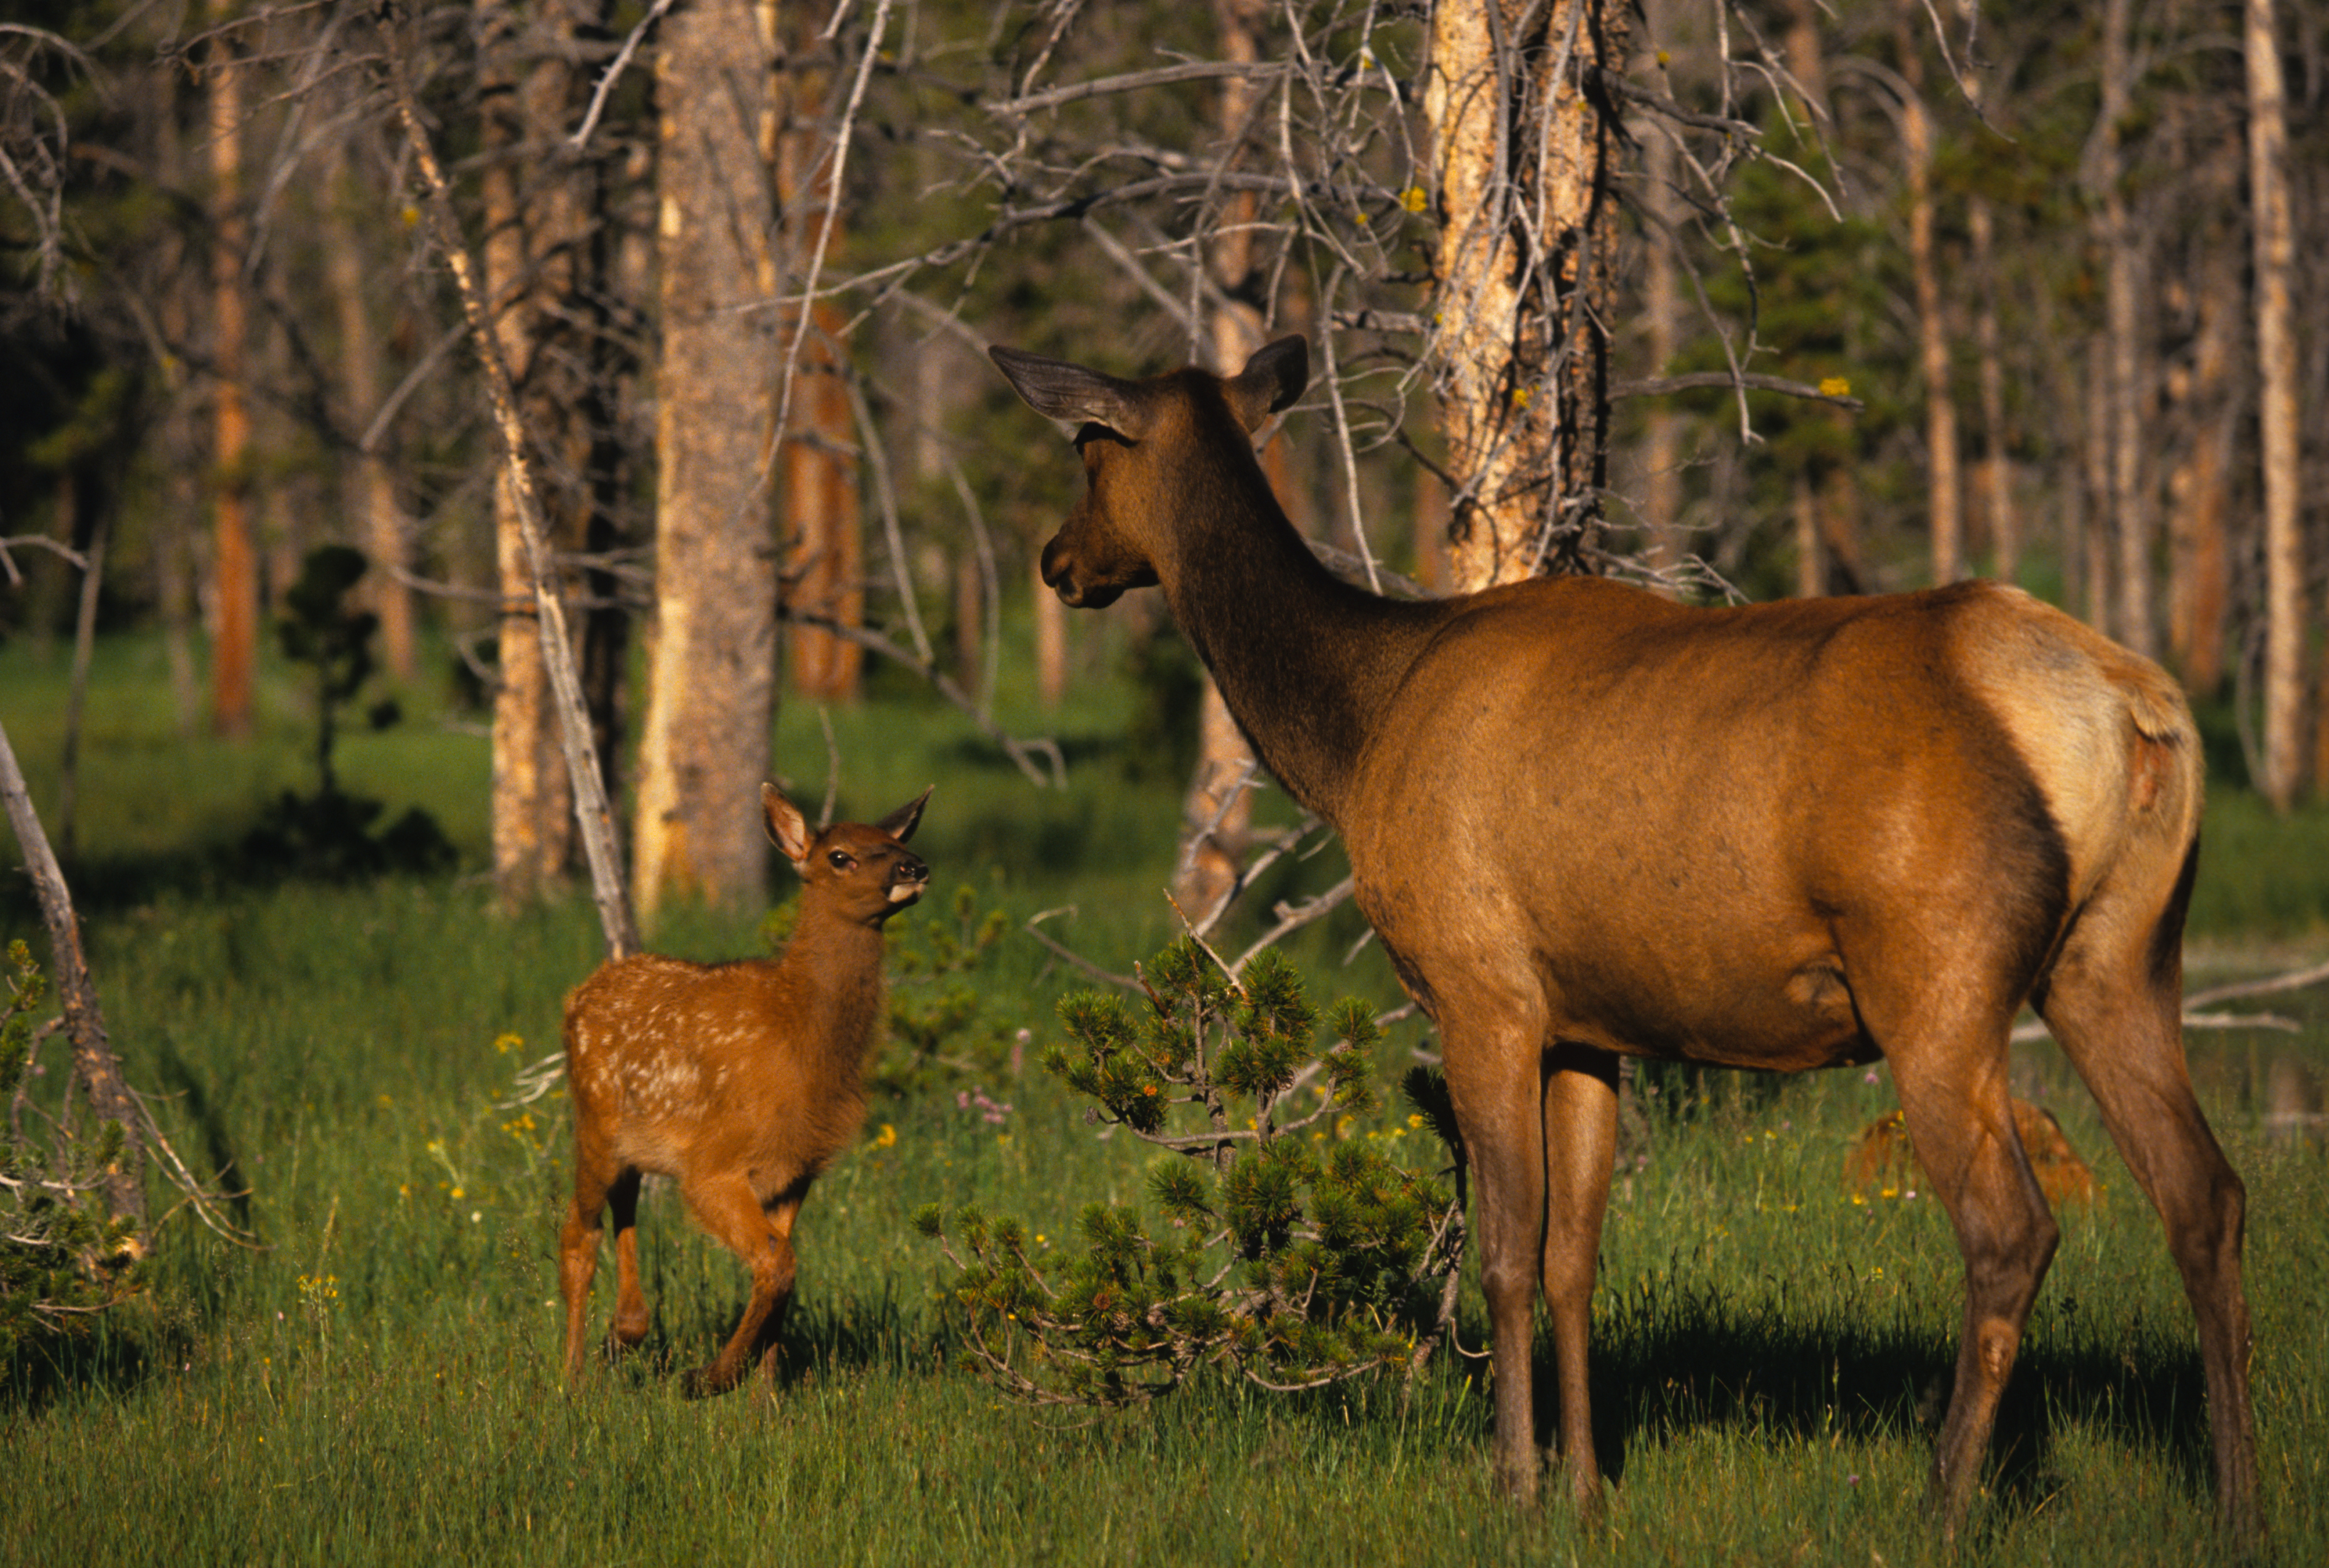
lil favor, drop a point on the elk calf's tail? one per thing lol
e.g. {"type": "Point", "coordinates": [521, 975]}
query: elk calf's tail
{"type": "Point", "coordinates": [740, 1081]}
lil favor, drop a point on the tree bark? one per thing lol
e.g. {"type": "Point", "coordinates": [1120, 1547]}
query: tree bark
{"type": "Point", "coordinates": [2284, 542]}
{"type": "Point", "coordinates": [94, 1066]}
{"type": "Point", "coordinates": [1943, 483]}
{"type": "Point", "coordinates": [711, 696]}
{"type": "Point", "coordinates": [539, 213]}
{"type": "Point", "coordinates": [367, 487]}
{"type": "Point", "coordinates": [2003, 524]}
{"type": "Point", "coordinates": [2129, 511]}
{"type": "Point", "coordinates": [1522, 152]}
{"type": "Point", "coordinates": [2199, 485]}
{"type": "Point", "coordinates": [594, 816]}
{"type": "Point", "coordinates": [821, 511]}
{"type": "Point", "coordinates": [234, 556]}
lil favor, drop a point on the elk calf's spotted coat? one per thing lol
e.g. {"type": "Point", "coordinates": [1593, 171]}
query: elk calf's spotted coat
{"type": "Point", "coordinates": [1589, 822]}
{"type": "Point", "coordinates": [741, 1081]}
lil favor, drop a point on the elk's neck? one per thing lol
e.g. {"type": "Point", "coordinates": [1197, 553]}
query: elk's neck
{"type": "Point", "coordinates": [1305, 662]}
{"type": "Point", "coordinates": [829, 983]}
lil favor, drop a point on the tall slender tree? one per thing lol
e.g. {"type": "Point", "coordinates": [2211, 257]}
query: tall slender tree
{"type": "Point", "coordinates": [711, 695]}
{"type": "Point", "coordinates": [234, 553]}
{"type": "Point", "coordinates": [2275, 240]}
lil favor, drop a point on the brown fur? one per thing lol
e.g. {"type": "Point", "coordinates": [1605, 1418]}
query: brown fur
{"type": "Point", "coordinates": [741, 1081]}
{"type": "Point", "coordinates": [1587, 822]}
{"type": "Point", "coordinates": [1880, 1163]}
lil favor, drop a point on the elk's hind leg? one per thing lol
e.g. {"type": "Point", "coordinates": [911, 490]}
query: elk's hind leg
{"type": "Point", "coordinates": [1946, 1043]}
{"type": "Point", "coordinates": [630, 1324]}
{"type": "Point", "coordinates": [2114, 1002]}
{"type": "Point", "coordinates": [595, 1174]}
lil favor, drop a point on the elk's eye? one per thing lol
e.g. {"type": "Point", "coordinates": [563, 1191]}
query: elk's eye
{"type": "Point", "coordinates": [840, 862]}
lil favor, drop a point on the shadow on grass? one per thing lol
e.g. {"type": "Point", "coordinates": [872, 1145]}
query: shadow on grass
{"type": "Point", "coordinates": [1702, 1367]}
{"type": "Point", "coordinates": [326, 839]}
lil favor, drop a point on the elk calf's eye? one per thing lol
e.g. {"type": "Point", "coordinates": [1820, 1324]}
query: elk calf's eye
{"type": "Point", "coordinates": [840, 862]}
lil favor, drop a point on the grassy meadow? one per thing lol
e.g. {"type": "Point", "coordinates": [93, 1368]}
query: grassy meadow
{"type": "Point", "coordinates": [378, 1382]}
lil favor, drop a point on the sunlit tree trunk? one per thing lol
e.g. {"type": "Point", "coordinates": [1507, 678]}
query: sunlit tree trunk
{"type": "Point", "coordinates": [234, 555]}
{"type": "Point", "coordinates": [710, 697]}
{"type": "Point", "coordinates": [1522, 154]}
{"type": "Point", "coordinates": [2284, 542]}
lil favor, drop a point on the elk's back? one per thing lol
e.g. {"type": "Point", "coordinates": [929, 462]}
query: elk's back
{"type": "Point", "coordinates": [1689, 827]}
{"type": "Point", "coordinates": [677, 1064]}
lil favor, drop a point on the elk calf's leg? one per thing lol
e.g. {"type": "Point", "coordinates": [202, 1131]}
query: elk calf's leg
{"type": "Point", "coordinates": [630, 1324]}
{"type": "Point", "coordinates": [1580, 1146]}
{"type": "Point", "coordinates": [578, 1255]}
{"type": "Point", "coordinates": [732, 1213]}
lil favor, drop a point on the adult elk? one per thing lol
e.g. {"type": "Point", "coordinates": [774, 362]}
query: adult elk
{"type": "Point", "coordinates": [741, 1080]}
{"type": "Point", "coordinates": [1587, 822]}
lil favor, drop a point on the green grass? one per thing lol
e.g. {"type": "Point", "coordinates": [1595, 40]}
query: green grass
{"type": "Point", "coordinates": [378, 1383]}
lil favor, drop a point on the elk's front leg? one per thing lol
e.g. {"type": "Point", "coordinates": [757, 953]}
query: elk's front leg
{"type": "Point", "coordinates": [1494, 1067]}
{"type": "Point", "coordinates": [727, 1208]}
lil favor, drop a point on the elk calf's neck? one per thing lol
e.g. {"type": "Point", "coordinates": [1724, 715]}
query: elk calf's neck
{"type": "Point", "coordinates": [740, 1081]}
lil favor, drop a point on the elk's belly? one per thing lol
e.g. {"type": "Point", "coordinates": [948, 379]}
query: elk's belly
{"type": "Point", "coordinates": [1788, 1021]}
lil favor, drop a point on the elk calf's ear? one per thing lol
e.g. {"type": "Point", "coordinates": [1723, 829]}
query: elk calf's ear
{"type": "Point", "coordinates": [900, 824]}
{"type": "Point", "coordinates": [788, 829]}
{"type": "Point", "coordinates": [1070, 393]}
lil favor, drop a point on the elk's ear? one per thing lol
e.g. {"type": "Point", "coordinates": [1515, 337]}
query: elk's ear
{"type": "Point", "coordinates": [1271, 380]}
{"type": "Point", "coordinates": [900, 824]}
{"type": "Point", "coordinates": [788, 829]}
{"type": "Point", "coordinates": [1070, 393]}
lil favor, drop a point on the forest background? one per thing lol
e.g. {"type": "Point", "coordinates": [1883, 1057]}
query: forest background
{"type": "Point", "coordinates": [1741, 300]}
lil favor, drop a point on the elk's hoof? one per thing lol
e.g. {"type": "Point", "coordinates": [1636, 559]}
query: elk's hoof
{"type": "Point", "coordinates": [705, 1383]}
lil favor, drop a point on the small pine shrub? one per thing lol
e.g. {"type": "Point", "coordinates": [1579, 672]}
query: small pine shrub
{"type": "Point", "coordinates": [1282, 1250]}
{"type": "Point", "coordinates": [64, 1256]}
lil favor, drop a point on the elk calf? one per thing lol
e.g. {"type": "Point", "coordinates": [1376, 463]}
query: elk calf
{"type": "Point", "coordinates": [741, 1081]}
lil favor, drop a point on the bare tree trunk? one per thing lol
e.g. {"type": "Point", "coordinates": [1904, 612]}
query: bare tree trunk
{"type": "Point", "coordinates": [593, 813]}
{"type": "Point", "coordinates": [2283, 547]}
{"type": "Point", "coordinates": [2004, 528]}
{"type": "Point", "coordinates": [1944, 485]}
{"type": "Point", "coordinates": [2093, 542]}
{"type": "Point", "coordinates": [826, 572]}
{"type": "Point", "coordinates": [1217, 811]}
{"type": "Point", "coordinates": [1662, 306]}
{"type": "Point", "coordinates": [94, 1066]}
{"type": "Point", "coordinates": [2129, 511]}
{"type": "Point", "coordinates": [234, 559]}
{"type": "Point", "coordinates": [367, 488]}
{"type": "Point", "coordinates": [1050, 639]}
{"type": "Point", "coordinates": [2198, 486]}
{"type": "Point", "coordinates": [533, 225]}
{"type": "Point", "coordinates": [711, 696]}
{"type": "Point", "coordinates": [93, 583]}
{"type": "Point", "coordinates": [1521, 153]}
